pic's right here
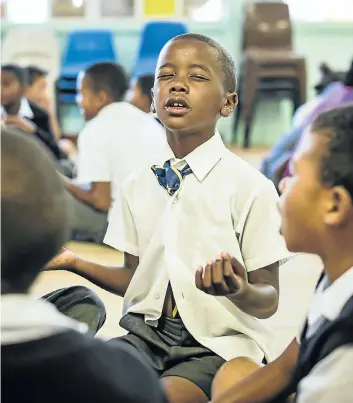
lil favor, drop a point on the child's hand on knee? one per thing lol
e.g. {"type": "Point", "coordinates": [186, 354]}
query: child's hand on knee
{"type": "Point", "coordinates": [224, 276]}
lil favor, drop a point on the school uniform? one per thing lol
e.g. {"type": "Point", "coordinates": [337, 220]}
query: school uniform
{"type": "Point", "coordinates": [324, 369]}
{"type": "Point", "coordinates": [222, 204]}
{"type": "Point", "coordinates": [118, 141]}
{"type": "Point", "coordinates": [47, 356]}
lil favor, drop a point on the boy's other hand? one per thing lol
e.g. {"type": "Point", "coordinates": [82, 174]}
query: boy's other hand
{"type": "Point", "coordinates": [224, 276]}
{"type": "Point", "coordinates": [21, 123]}
{"type": "Point", "coordinates": [64, 260]}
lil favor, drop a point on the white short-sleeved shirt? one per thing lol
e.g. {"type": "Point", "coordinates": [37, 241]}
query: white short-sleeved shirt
{"type": "Point", "coordinates": [331, 380]}
{"type": "Point", "coordinates": [118, 141]}
{"type": "Point", "coordinates": [225, 205]}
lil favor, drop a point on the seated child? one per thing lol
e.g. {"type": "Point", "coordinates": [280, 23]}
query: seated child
{"type": "Point", "coordinates": [46, 356]}
{"type": "Point", "coordinates": [37, 93]}
{"type": "Point", "coordinates": [317, 217]}
{"type": "Point", "coordinates": [199, 203]}
{"type": "Point", "coordinates": [274, 166]}
{"type": "Point", "coordinates": [141, 95]}
{"type": "Point", "coordinates": [17, 111]}
{"type": "Point", "coordinates": [117, 139]}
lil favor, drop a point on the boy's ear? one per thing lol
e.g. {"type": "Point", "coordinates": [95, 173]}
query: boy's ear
{"type": "Point", "coordinates": [103, 97]}
{"type": "Point", "coordinates": [153, 108]}
{"type": "Point", "coordinates": [230, 103]}
{"type": "Point", "coordinates": [340, 207]}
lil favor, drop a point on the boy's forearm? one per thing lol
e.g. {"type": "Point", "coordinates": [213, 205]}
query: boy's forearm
{"type": "Point", "coordinates": [91, 197]}
{"type": "Point", "coordinates": [114, 279]}
{"type": "Point", "coordinates": [260, 387]}
{"type": "Point", "coordinates": [83, 195]}
{"type": "Point", "coordinates": [266, 384]}
{"type": "Point", "coordinates": [259, 300]}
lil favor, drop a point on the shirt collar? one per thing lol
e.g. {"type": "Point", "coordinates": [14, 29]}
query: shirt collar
{"type": "Point", "coordinates": [203, 158]}
{"type": "Point", "coordinates": [329, 302]}
{"type": "Point", "coordinates": [25, 109]}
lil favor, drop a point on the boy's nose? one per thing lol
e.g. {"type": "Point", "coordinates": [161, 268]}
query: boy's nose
{"type": "Point", "coordinates": [178, 87]}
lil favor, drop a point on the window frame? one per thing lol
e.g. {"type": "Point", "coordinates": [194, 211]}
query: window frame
{"type": "Point", "coordinates": [93, 9]}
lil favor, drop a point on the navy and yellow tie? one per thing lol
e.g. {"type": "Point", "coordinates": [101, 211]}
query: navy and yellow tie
{"type": "Point", "coordinates": [170, 178]}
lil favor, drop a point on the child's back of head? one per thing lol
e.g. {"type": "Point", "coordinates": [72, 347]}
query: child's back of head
{"type": "Point", "coordinates": [34, 212]}
{"type": "Point", "coordinates": [141, 92]}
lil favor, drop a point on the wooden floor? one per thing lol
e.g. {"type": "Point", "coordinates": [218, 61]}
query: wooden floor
{"type": "Point", "coordinates": [297, 282]}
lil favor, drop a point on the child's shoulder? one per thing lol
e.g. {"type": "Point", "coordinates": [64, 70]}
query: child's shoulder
{"type": "Point", "coordinates": [139, 179]}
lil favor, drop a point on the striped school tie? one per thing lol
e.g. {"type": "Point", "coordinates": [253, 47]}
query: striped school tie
{"type": "Point", "coordinates": [170, 178]}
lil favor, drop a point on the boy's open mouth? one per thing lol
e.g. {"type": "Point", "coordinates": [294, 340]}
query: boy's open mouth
{"type": "Point", "coordinates": [177, 106]}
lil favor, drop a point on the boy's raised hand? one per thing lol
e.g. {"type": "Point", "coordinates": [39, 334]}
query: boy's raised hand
{"type": "Point", "coordinates": [224, 276]}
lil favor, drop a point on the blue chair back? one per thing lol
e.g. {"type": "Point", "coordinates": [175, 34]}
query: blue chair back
{"type": "Point", "coordinates": [154, 36]}
{"type": "Point", "coordinates": [86, 47]}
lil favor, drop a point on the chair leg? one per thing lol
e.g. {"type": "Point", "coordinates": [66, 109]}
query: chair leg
{"type": "Point", "coordinates": [248, 122]}
{"type": "Point", "coordinates": [249, 87]}
{"type": "Point", "coordinates": [296, 99]}
{"type": "Point", "coordinates": [236, 118]}
{"type": "Point", "coordinates": [247, 132]}
{"type": "Point", "coordinates": [302, 82]}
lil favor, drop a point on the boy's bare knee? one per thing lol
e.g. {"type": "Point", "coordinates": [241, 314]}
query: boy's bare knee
{"type": "Point", "coordinates": [238, 368]}
{"type": "Point", "coordinates": [232, 372]}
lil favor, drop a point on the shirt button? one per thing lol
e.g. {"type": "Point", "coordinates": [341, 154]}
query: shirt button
{"type": "Point", "coordinates": [156, 295]}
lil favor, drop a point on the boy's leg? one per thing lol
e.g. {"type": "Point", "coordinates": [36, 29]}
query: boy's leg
{"type": "Point", "coordinates": [186, 367]}
{"type": "Point", "coordinates": [81, 304]}
{"type": "Point", "coordinates": [232, 372]}
{"type": "Point", "coordinates": [86, 223]}
{"type": "Point", "coordinates": [191, 380]}
{"type": "Point", "coordinates": [181, 390]}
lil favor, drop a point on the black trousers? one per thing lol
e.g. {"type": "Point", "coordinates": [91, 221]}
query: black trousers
{"type": "Point", "coordinates": [79, 303]}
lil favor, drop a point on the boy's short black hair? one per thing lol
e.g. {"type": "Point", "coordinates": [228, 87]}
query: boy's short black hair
{"type": "Point", "coordinates": [225, 59]}
{"type": "Point", "coordinates": [19, 72]}
{"type": "Point", "coordinates": [146, 83]}
{"type": "Point", "coordinates": [34, 210]}
{"type": "Point", "coordinates": [33, 73]}
{"type": "Point", "coordinates": [337, 165]}
{"type": "Point", "coordinates": [109, 77]}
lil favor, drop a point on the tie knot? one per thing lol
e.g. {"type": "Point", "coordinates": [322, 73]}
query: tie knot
{"type": "Point", "coordinates": [170, 177]}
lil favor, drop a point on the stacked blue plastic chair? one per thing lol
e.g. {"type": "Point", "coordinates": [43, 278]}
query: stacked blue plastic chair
{"type": "Point", "coordinates": [84, 48]}
{"type": "Point", "coordinates": [154, 36]}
